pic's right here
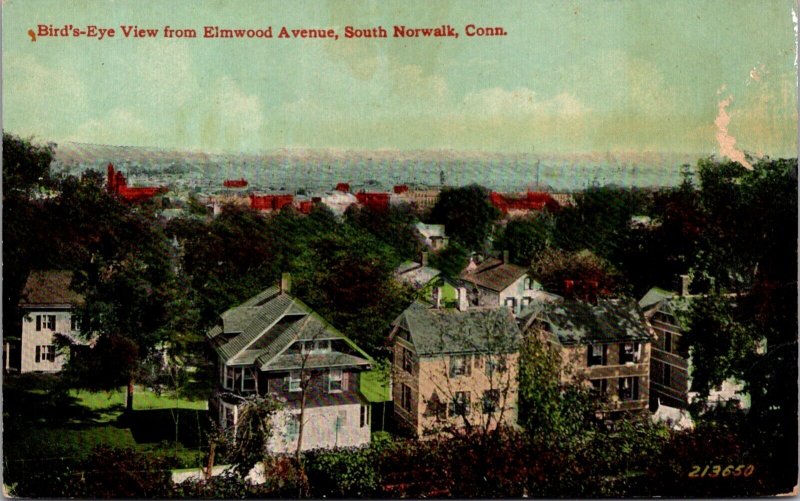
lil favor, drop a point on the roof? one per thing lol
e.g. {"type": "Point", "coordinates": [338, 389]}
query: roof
{"type": "Point", "coordinates": [577, 322]}
{"type": "Point", "coordinates": [494, 274]}
{"type": "Point", "coordinates": [654, 296]}
{"type": "Point", "coordinates": [430, 230]}
{"type": "Point", "coordinates": [259, 330]}
{"type": "Point", "coordinates": [667, 302]}
{"type": "Point", "coordinates": [49, 288]}
{"type": "Point", "coordinates": [435, 331]}
{"type": "Point", "coordinates": [415, 274]}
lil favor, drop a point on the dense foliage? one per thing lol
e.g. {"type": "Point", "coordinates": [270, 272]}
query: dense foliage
{"type": "Point", "coordinates": [153, 286]}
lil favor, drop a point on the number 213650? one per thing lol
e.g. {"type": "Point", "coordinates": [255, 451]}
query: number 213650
{"type": "Point", "coordinates": [721, 470]}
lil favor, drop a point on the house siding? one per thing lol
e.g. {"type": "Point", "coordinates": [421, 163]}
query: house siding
{"type": "Point", "coordinates": [430, 385]}
{"type": "Point", "coordinates": [575, 367]}
{"type": "Point", "coordinates": [325, 427]}
{"type": "Point", "coordinates": [31, 338]}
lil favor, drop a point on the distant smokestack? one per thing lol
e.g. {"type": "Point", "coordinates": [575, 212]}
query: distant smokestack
{"type": "Point", "coordinates": [685, 285]}
{"type": "Point", "coordinates": [286, 283]}
{"type": "Point", "coordinates": [505, 257]}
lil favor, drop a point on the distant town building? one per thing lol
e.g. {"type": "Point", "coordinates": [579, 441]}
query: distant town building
{"type": "Point", "coordinates": [520, 205]}
{"type": "Point", "coordinates": [118, 184]}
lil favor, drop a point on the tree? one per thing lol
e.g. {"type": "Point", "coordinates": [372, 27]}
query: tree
{"type": "Point", "coordinates": [394, 227]}
{"type": "Point", "coordinates": [467, 215]}
{"type": "Point", "coordinates": [582, 275]}
{"type": "Point", "coordinates": [26, 172]}
{"type": "Point", "coordinates": [549, 408]}
{"type": "Point", "coordinates": [526, 238]}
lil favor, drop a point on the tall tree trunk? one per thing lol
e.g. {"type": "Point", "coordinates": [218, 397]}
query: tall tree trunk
{"type": "Point", "coordinates": [129, 402]}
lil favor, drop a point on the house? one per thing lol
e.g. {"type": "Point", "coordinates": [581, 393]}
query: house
{"type": "Point", "coordinates": [273, 344]}
{"type": "Point", "coordinates": [454, 368]}
{"type": "Point", "coordinates": [47, 304]}
{"type": "Point", "coordinates": [497, 282]}
{"type": "Point", "coordinates": [433, 235]}
{"type": "Point", "coordinates": [605, 345]}
{"type": "Point", "coordinates": [671, 365]}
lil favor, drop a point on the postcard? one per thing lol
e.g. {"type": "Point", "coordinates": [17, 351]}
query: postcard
{"type": "Point", "coordinates": [365, 249]}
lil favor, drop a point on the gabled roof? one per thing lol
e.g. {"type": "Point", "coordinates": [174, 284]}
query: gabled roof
{"type": "Point", "coordinates": [435, 331]}
{"type": "Point", "coordinates": [654, 296]}
{"type": "Point", "coordinates": [667, 302]}
{"type": "Point", "coordinates": [415, 274]}
{"type": "Point", "coordinates": [261, 328]}
{"type": "Point", "coordinates": [577, 322]}
{"type": "Point", "coordinates": [49, 288]}
{"type": "Point", "coordinates": [494, 274]}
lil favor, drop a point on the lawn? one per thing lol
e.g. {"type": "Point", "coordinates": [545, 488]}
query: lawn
{"type": "Point", "coordinates": [373, 388]}
{"type": "Point", "coordinates": [40, 421]}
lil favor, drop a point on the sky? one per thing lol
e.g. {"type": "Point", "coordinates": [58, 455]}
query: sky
{"type": "Point", "coordinates": [712, 77]}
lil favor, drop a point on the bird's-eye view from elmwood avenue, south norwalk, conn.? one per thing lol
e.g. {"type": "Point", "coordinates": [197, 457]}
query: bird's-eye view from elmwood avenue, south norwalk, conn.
{"type": "Point", "coordinates": [549, 253]}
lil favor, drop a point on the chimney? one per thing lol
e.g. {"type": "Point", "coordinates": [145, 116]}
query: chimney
{"type": "Point", "coordinates": [463, 300]}
{"type": "Point", "coordinates": [505, 257]}
{"type": "Point", "coordinates": [424, 258]}
{"type": "Point", "coordinates": [286, 283]}
{"type": "Point", "coordinates": [685, 285]}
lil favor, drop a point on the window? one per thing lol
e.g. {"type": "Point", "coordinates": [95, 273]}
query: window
{"type": "Point", "coordinates": [667, 375]}
{"type": "Point", "coordinates": [335, 381]}
{"type": "Point", "coordinates": [74, 323]}
{"type": "Point", "coordinates": [526, 301]}
{"type": "Point", "coordinates": [491, 401]}
{"type": "Point", "coordinates": [45, 353]}
{"type": "Point", "coordinates": [341, 421]}
{"type": "Point", "coordinates": [528, 283]}
{"type": "Point", "coordinates": [248, 380]}
{"type": "Point", "coordinates": [45, 322]}
{"type": "Point", "coordinates": [628, 353]}
{"type": "Point", "coordinates": [460, 365]}
{"type": "Point", "coordinates": [293, 426]}
{"type": "Point", "coordinates": [629, 388]}
{"type": "Point", "coordinates": [228, 416]}
{"type": "Point", "coordinates": [495, 365]}
{"type": "Point", "coordinates": [600, 386]}
{"type": "Point", "coordinates": [316, 346]}
{"type": "Point", "coordinates": [405, 397]}
{"type": "Point", "coordinates": [294, 381]}
{"type": "Point", "coordinates": [668, 342]}
{"type": "Point", "coordinates": [597, 354]}
{"type": "Point", "coordinates": [408, 361]}
{"type": "Point", "coordinates": [460, 404]}
{"type": "Point", "coordinates": [364, 416]}
{"type": "Point", "coordinates": [511, 303]}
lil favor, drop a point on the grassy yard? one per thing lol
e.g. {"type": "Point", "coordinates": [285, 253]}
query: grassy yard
{"type": "Point", "coordinates": [40, 421]}
{"type": "Point", "coordinates": [373, 388]}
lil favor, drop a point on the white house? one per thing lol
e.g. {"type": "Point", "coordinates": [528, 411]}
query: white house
{"type": "Point", "coordinates": [47, 302]}
{"type": "Point", "coordinates": [496, 282]}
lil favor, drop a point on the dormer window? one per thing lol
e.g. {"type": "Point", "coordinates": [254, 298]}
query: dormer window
{"type": "Point", "coordinates": [316, 346]}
